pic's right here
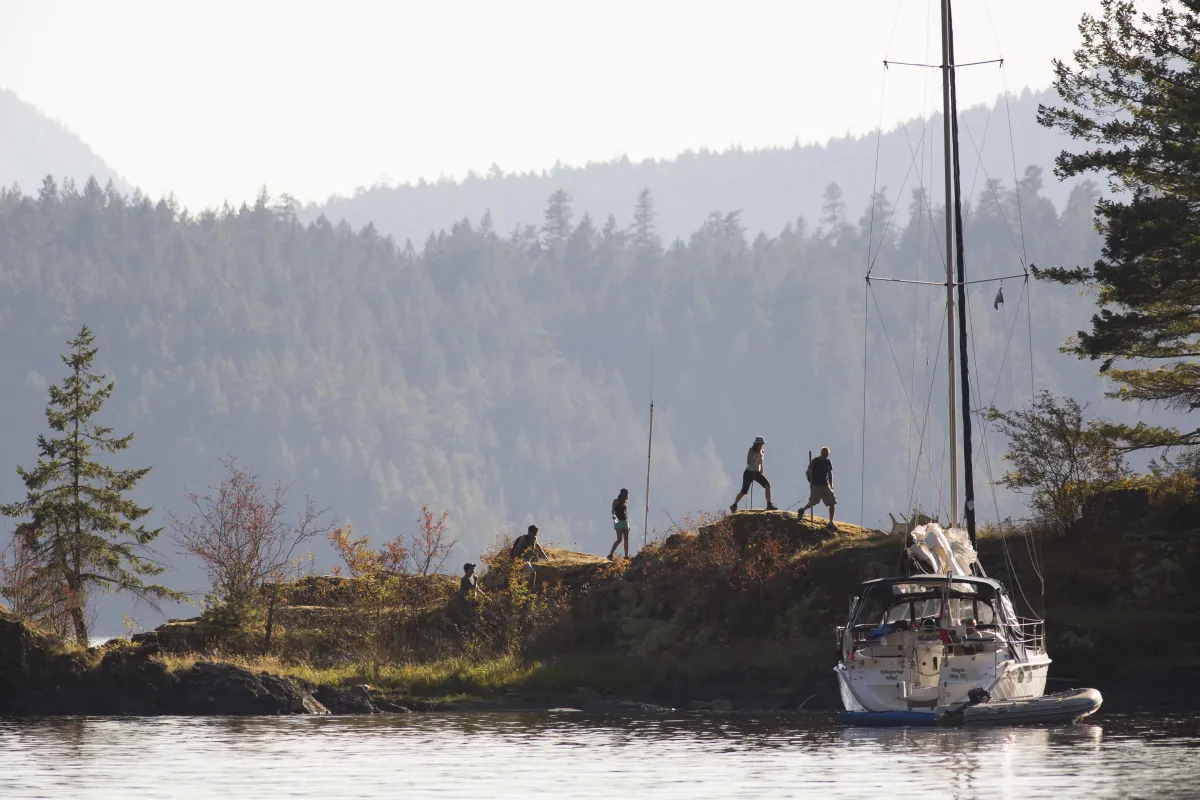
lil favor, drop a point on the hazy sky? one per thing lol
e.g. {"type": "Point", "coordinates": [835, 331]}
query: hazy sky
{"type": "Point", "coordinates": [212, 100]}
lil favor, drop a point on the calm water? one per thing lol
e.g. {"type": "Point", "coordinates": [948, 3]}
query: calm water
{"type": "Point", "coordinates": [580, 756]}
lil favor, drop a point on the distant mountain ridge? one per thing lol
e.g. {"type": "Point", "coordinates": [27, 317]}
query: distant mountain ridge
{"type": "Point", "coordinates": [36, 146]}
{"type": "Point", "coordinates": [771, 187]}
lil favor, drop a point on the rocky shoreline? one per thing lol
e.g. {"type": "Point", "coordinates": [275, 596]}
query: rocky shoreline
{"type": "Point", "coordinates": [129, 682]}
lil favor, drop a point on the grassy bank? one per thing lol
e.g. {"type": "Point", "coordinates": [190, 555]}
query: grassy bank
{"type": "Point", "coordinates": [447, 679]}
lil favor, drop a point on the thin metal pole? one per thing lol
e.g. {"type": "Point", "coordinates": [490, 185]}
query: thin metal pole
{"type": "Point", "coordinates": [947, 112]}
{"type": "Point", "coordinates": [812, 512]}
{"type": "Point", "coordinates": [649, 447]}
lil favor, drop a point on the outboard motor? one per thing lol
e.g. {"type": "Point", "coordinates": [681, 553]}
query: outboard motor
{"type": "Point", "coordinates": [977, 695]}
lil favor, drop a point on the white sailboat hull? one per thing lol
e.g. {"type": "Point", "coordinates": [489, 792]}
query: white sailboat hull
{"type": "Point", "coordinates": [873, 688]}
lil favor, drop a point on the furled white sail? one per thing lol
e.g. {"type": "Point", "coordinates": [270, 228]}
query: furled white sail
{"type": "Point", "coordinates": [947, 551]}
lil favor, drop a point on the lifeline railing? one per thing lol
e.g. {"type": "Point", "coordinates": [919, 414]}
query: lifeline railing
{"type": "Point", "coordinates": [1029, 633]}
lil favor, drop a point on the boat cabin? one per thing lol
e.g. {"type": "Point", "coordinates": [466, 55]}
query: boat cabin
{"type": "Point", "coordinates": [976, 610]}
{"type": "Point", "coordinates": [920, 640]}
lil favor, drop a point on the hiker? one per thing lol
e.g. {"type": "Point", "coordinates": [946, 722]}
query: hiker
{"type": "Point", "coordinates": [469, 585]}
{"type": "Point", "coordinates": [820, 484]}
{"type": "Point", "coordinates": [528, 542]}
{"type": "Point", "coordinates": [754, 473]}
{"type": "Point", "coordinates": [620, 516]}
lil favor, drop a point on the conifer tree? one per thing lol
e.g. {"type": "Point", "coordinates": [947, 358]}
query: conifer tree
{"type": "Point", "coordinates": [1131, 98]}
{"type": "Point", "coordinates": [86, 529]}
{"type": "Point", "coordinates": [645, 234]}
{"type": "Point", "coordinates": [557, 225]}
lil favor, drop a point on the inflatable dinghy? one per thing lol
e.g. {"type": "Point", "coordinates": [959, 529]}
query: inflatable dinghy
{"type": "Point", "coordinates": [1063, 707]}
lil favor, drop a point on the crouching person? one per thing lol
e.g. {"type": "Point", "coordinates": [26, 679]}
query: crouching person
{"type": "Point", "coordinates": [469, 587]}
{"type": "Point", "coordinates": [527, 546]}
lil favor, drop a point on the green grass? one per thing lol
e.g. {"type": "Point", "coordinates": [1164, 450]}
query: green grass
{"type": "Point", "coordinates": [450, 678]}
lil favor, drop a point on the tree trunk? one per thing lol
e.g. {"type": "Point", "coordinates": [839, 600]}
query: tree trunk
{"type": "Point", "coordinates": [73, 599]}
{"type": "Point", "coordinates": [271, 602]}
{"type": "Point", "coordinates": [81, 633]}
{"type": "Point", "coordinates": [78, 620]}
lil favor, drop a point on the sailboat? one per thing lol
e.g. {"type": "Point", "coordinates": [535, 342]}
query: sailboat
{"type": "Point", "coordinates": [941, 642]}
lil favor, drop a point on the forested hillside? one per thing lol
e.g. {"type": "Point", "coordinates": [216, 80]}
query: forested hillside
{"type": "Point", "coordinates": [770, 187]}
{"type": "Point", "coordinates": [36, 146]}
{"type": "Point", "coordinates": [505, 377]}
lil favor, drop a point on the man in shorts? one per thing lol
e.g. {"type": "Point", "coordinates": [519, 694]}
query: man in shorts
{"type": "Point", "coordinates": [820, 484]}
{"type": "Point", "coordinates": [754, 474]}
{"type": "Point", "coordinates": [620, 515]}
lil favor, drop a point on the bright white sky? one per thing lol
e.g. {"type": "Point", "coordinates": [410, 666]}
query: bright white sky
{"type": "Point", "coordinates": [213, 99]}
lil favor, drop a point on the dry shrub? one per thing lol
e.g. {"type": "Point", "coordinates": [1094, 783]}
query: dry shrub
{"type": "Point", "coordinates": [1174, 501]}
{"type": "Point", "coordinates": [34, 595]}
{"type": "Point", "coordinates": [248, 545]}
{"type": "Point", "coordinates": [508, 619]}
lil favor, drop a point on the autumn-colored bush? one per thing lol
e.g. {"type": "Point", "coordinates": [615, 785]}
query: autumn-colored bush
{"type": "Point", "coordinates": [1174, 501]}
{"type": "Point", "coordinates": [511, 615]}
{"type": "Point", "coordinates": [712, 568]}
{"type": "Point", "coordinates": [371, 598]}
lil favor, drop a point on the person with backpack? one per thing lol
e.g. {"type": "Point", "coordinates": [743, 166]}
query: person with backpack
{"type": "Point", "coordinates": [620, 516]}
{"type": "Point", "coordinates": [526, 543]}
{"type": "Point", "coordinates": [820, 484]}
{"type": "Point", "coordinates": [754, 474]}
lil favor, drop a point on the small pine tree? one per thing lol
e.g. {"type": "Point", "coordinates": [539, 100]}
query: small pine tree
{"type": "Point", "coordinates": [84, 525]}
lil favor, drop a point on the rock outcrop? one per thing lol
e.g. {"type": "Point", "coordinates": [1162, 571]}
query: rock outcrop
{"type": "Point", "coordinates": [35, 680]}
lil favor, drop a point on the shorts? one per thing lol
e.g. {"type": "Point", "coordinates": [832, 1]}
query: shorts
{"type": "Point", "coordinates": [749, 477]}
{"type": "Point", "coordinates": [621, 526]}
{"type": "Point", "coordinates": [822, 493]}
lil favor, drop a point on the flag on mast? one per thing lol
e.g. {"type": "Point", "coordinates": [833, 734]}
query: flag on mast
{"type": "Point", "coordinates": [999, 298]}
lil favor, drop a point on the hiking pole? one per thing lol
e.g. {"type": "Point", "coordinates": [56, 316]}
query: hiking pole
{"type": "Point", "coordinates": [812, 512]}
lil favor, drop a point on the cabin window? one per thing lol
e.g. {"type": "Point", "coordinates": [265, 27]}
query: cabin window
{"type": "Point", "coordinates": [871, 612]}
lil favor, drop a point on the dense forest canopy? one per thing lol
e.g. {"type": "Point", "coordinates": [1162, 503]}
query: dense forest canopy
{"type": "Point", "coordinates": [770, 187]}
{"type": "Point", "coordinates": [504, 375]}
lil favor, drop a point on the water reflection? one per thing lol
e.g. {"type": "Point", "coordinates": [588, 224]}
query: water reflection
{"type": "Point", "coordinates": [587, 755]}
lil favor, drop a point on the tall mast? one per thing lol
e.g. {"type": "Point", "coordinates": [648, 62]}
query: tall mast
{"type": "Point", "coordinates": [947, 114]}
{"type": "Point", "coordinates": [968, 477]}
